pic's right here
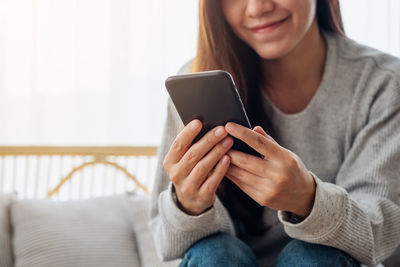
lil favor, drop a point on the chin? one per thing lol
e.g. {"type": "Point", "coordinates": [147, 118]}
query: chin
{"type": "Point", "coordinates": [273, 51]}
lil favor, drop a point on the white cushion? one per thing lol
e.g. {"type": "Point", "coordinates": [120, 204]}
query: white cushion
{"type": "Point", "coordinates": [6, 259]}
{"type": "Point", "coordinates": [95, 232]}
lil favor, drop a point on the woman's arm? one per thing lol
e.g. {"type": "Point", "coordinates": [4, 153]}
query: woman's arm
{"type": "Point", "coordinates": [360, 214]}
{"type": "Point", "coordinates": [173, 230]}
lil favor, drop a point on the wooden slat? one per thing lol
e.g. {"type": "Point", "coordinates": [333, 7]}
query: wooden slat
{"type": "Point", "coordinates": [37, 177]}
{"type": "Point", "coordinates": [98, 154]}
{"type": "Point", "coordinates": [2, 171]}
{"type": "Point", "coordinates": [79, 150]}
{"type": "Point", "coordinates": [14, 174]}
{"type": "Point", "coordinates": [49, 170]}
{"type": "Point", "coordinates": [26, 176]}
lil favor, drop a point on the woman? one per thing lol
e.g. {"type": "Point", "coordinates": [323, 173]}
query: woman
{"type": "Point", "coordinates": [328, 116]}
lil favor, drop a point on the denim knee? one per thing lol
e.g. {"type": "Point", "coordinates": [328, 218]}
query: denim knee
{"type": "Point", "coordinates": [300, 253]}
{"type": "Point", "coordinates": [219, 250]}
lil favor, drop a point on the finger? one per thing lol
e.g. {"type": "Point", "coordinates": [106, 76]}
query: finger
{"type": "Point", "coordinates": [201, 147]}
{"type": "Point", "coordinates": [250, 191]}
{"type": "Point", "coordinates": [261, 131]}
{"type": "Point", "coordinates": [257, 141]}
{"type": "Point", "coordinates": [212, 182]}
{"type": "Point", "coordinates": [183, 141]}
{"type": "Point", "coordinates": [252, 180]}
{"type": "Point", "coordinates": [205, 165]}
{"type": "Point", "coordinates": [250, 163]}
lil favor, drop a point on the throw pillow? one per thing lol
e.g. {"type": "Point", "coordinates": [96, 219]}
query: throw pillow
{"type": "Point", "coordinates": [95, 232]}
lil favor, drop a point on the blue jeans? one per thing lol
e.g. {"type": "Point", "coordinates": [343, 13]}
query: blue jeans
{"type": "Point", "coordinates": [225, 250]}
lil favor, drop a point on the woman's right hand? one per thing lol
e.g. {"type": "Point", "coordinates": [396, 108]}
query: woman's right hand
{"type": "Point", "coordinates": [191, 167]}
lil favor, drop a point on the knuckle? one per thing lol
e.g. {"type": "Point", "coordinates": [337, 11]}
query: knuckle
{"type": "Point", "coordinates": [201, 170]}
{"type": "Point", "coordinates": [220, 150]}
{"type": "Point", "coordinates": [165, 163]}
{"type": "Point", "coordinates": [190, 156]}
{"type": "Point", "coordinates": [219, 170]}
{"type": "Point", "coordinates": [210, 137]}
{"type": "Point", "coordinates": [243, 160]}
{"type": "Point", "coordinates": [292, 160]}
{"type": "Point", "coordinates": [239, 174]}
{"type": "Point", "coordinates": [173, 176]}
{"type": "Point", "coordinates": [177, 146]}
{"type": "Point", "coordinates": [259, 142]}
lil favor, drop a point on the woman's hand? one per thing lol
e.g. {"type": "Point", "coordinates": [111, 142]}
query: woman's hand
{"type": "Point", "coordinates": [279, 181]}
{"type": "Point", "coordinates": [191, 167]}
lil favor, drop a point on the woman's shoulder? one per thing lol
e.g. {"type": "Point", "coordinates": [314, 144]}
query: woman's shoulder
{"type": "Point", "coordinates": [367, 61]}
{"type": "Point", "coordinates": [370, 77]}
{"type": "Point", "coordinates": [186, 68]}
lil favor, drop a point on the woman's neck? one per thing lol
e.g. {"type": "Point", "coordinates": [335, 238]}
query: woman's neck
{"type": "Point", "coordinates": [301, 69]}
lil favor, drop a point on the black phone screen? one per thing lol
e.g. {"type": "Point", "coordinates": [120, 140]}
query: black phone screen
{"type": "Point", "coordinates": [211, 97]}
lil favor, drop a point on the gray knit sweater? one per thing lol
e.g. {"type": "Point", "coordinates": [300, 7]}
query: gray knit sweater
{"type": "Point", "coordinates": [348, 137]}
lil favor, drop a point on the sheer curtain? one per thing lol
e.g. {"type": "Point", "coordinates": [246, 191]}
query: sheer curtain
{"type": "Point", "coordinates": [373, 22]}
{"type": "Point", "coordinates": [91, 72]}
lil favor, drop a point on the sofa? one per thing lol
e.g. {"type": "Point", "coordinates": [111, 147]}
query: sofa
{"type": "Point", "coordinates": [103, 231]}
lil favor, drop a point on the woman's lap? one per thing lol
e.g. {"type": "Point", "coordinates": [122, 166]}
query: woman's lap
{"type": "Point", "coordinates": [219, 250]}
{"type": "Point", "coordinates": [300, 253]}
{"type": "Point", "coordinates": [225, 250]}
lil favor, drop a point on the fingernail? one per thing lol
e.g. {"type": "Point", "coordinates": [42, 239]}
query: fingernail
{"type": "Point", "coordinates": [194, 125]}
{"type": "Point", "coordinates": [227, 142]}
{"type": "Point", "coordinates": [219, 132]}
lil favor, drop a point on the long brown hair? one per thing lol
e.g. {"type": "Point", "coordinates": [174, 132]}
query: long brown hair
{"type": "Point", "coordinates": [219, 48]}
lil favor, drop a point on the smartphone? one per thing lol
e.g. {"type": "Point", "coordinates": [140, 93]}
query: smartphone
{"type": "Point", "coordinates": [211, 97]}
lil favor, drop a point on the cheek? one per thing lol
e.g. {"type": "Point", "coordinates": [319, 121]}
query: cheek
{"type": "Point", "coordinates": [233, 11]}
{"type": "Point", "coordinates": [303, 13]}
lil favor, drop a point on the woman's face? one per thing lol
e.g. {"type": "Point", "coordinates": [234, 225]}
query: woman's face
{"type": "Point", "coordinates": [272, 28]}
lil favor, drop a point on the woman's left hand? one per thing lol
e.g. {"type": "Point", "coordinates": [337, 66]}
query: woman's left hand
{"type": "Point", "coordinates": [279, 181]}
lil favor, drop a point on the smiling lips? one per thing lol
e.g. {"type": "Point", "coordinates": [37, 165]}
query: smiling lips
{"type": "Point", "coordinates": [268, 27]}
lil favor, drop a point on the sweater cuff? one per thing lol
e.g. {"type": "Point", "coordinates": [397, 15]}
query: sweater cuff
{"type": "Point", "coordinates": [326, 214]}
{"type": "Point", "coordinates": [210, 220]}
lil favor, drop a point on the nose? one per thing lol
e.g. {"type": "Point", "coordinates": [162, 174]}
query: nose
{"type": "Point", "coordinates": [256, 8]}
